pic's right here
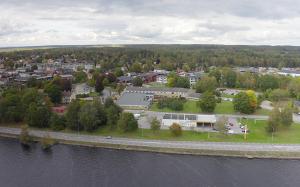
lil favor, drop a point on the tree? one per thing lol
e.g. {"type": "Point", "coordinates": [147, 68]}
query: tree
{"type": "Point", "coordinates": [54, 92]}
{"type": "Point", "coordinates": [11, 108]}
{"type": "Point", "coordinates": [252, 98]}
{"type": "Point", "coordinates": [221, 124]}
{"type": "Point", "coordinates": [99, 87]}
{"type": "Point", "coordinates": [137, 81]}
{"type": "Point", "coordinates": [186, 68]}
{"type": "Point", "coordinates": [278, 94]}
{"type": "Point", "coordinates": [29, 96]}
{"type": "Point", "coordinates": [274, 121]}
{"type": "Point", "coordinates": [182, 82]}
{"type": "Point", "coordinates": [72, 116]}
{"type": "Point", "coordinates": [175, 129]}
{"type": "Point", "coordinates": [80, 77]}
{"type": "Point", "coordinates": [294, 88]}
{"type": "Point", "coordinates": [25, 138]}
{"type": "Point", "coordinates": [136, 67]}
{"type": "Point", "coordinates": [155, 125]}
{"type": "Point", "coordinates": [267, 82]}
{"type": "Point", "coordinates": [208, 84]}
{"type": "Point", "coordinates": [215, 72]}
{"type": "Point", "coordinates": [208, 102]}
{"type": "Point", "coordinates": [119, 72]}
{"type": "Point", "coordinates": [242, 103]}
{"type": "Point", "coordinates": [88, 117]}
{"type": "Point", "coordinates": [229, 77]}
{"type": "Point", "coordinates": [57, 123]}
{"type": "Point", "coordinates": [38, 115]}
{"type": "Point", "coordinates": [127, 122]}
{"type": "Point", "coordinates": [101, 113]}
{"type": "Point", "coordinates": [286, 116]}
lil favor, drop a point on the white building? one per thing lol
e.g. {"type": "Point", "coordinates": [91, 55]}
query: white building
{"type": "Point", "coordinates": [291, 73]}
{"type": "Point", "coordinates": [81, 89]}
{"type": "Point", "coordinates": [189, 120]}
{"type": "Point", "coordinates": [162, 78]}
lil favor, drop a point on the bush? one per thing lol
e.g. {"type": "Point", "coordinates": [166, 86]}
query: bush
{"type": "Point", "coordinates": [171, 103]}
{"type": "Point", "coordinates": [278, 95]}
{"type": "Point", "coordinates": [155, 125]}
{"type": "Point", "coordinates": [57, 123]}
{"type": "Point", "coordinates": [176, 129]}
{"type": "Point", "coordinates": [25, 138]}
{"type": "Point", "coordinates": [208, 102]}
{"type": "Point", "coordinates": [47, 142]}
{"type": "Point", "coordinates": [127, 122]}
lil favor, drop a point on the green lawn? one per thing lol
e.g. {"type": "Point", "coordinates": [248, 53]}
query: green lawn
{"type": "Point", "coordinates": [257, 134]}
{"type": "Point", "coordinates": [225, 107]}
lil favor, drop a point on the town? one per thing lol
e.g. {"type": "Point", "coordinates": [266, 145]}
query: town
{"type": "Point", "coordinates": [149, 100]}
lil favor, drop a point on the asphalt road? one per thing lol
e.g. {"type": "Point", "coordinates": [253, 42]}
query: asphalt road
{"type": "Point", "coordinates": [226, 146]}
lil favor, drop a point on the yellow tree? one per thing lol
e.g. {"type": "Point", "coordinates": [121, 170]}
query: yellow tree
{"type": "Point", "coordinates": [252, 98]}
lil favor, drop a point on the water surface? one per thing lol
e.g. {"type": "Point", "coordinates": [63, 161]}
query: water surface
{"type": "Point", "coordinates": [82, 166]}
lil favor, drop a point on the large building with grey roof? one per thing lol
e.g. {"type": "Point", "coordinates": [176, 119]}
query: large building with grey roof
{"type": "Point", "coordinates": [135, 100]}
{"type": "Point", "coordinates": [164, 92]}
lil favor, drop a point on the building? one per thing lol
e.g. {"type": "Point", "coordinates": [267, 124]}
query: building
{"type": "Point", "coordinates": [162, 78]}
{"type": "Point", "coordinates": [159, 92]}
{"type": "Point", "coordinates": [292, 73]}
{"type": "Point", "coordinates": [189, 120]}
{"type": "Point", "coordinates": [125, 79]}
{"type": "Point", "coordinates": [66, 97]}
{"type": "Point", "coordinates": [135, 100]}
{"type": "Point", "coordinates": [164, 92]}
{"type": "Point", "coordinates": [81, 89]}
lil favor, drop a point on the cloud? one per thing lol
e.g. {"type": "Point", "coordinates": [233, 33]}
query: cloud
{"type": "Point", "coordinates": [37, 22]}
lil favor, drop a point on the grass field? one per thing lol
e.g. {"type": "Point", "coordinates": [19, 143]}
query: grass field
{"type": "Point", "coordinates": [225, 107]}
{"type": "Point", "coordinates": [257, 134]}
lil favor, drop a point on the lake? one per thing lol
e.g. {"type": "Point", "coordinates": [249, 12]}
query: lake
{"type": "Point", "coordinates": [83, 166]}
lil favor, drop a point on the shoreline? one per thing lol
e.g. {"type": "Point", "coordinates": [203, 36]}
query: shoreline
{"type": "Point", "coordinates": [241, 150]}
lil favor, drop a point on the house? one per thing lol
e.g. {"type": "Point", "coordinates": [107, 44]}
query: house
{"type": "Point", "coordinates": [66, 97]}
{"type": "Point", "coordinates": [189, 120]}
{"type": "Point", "coordinates": [66, 77]}
{"type": "Point", "coordinates": [134, 100]}
{"type": "Point", "coordinates": [148, 77]}
{"type": "Point", "coordinates": [297, 106]}
{"type": "Point", "coordinates": [162, 78]}
{"type": "Point", "coordinates": [81, 89]}
{"type": "Point", "coordinates": [125, 79]}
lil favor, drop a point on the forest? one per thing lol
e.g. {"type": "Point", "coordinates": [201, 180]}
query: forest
{"type": "Point", "coordinates": [168, 57]}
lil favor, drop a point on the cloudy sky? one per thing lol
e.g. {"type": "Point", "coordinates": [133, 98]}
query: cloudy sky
{"type": "Point", "coordinates": [65, 22]}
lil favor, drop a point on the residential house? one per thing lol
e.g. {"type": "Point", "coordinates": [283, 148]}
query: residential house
{"type": "Point", "coordinates": [81, 89]}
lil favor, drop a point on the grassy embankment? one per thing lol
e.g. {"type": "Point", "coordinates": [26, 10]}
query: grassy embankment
{"type": "Point", "coordinates": [225, 107]}
{"type": "Point", "coordinates": [257, 134]}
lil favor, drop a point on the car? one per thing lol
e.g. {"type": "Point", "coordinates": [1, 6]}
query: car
{"type": "Point", "coordinates": [231, 124]}
{"type": "Point", "coordinates": [108, 137]}
{"type": "Point", "coordinates": [230, 132]}
{"type": "Point", "coordinates": [242, 126]}
{"type": "Point", "coordinates": [247, 131]}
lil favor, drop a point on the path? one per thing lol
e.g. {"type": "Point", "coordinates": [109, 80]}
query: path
{"type": "Point", "coordinates": [225, 146]}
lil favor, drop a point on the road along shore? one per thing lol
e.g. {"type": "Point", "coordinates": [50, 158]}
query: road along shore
{"type": "Point", "coordinates": [247, 150]}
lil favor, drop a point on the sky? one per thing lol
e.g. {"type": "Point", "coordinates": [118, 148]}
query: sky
{"type": "Point", "coordinates": [89, 22]}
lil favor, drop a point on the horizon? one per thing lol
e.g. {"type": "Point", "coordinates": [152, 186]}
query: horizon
{"type": "Point", "coordinates": [217, 22]}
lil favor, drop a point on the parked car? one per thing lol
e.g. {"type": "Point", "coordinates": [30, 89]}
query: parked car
{"type": "Point", "coordinates": [230, 132]}
{"type": "Point", "coordinates": [247, 131]}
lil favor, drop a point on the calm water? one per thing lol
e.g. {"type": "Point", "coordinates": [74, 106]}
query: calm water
{"type": "Point", "coordinates": [81, 166]}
